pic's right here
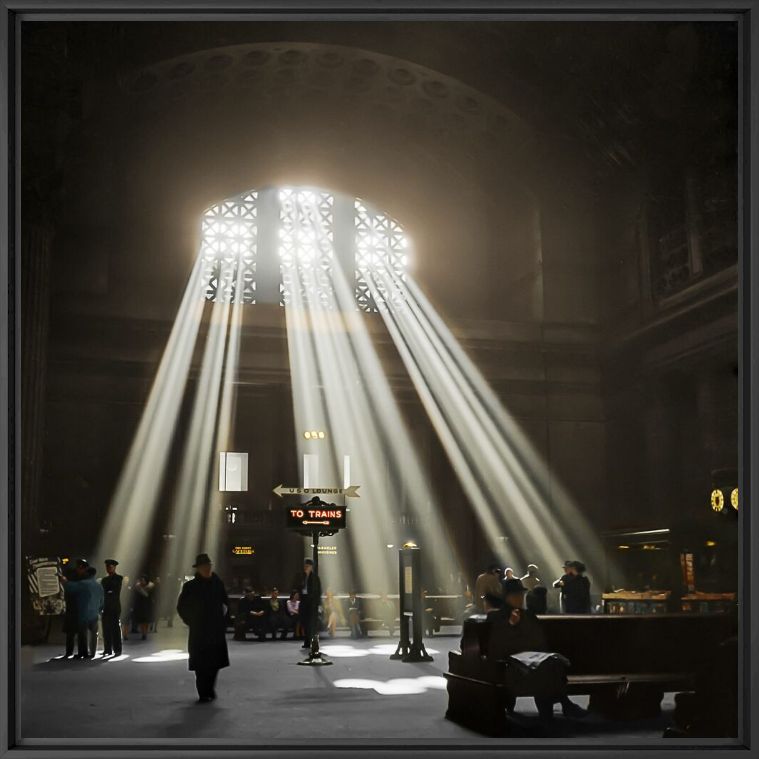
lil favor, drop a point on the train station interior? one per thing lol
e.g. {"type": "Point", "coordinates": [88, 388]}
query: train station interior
{"type": "Point", "coordinates": [365, 292]}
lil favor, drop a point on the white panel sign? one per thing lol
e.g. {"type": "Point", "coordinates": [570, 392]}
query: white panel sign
{"type": "Point", "coordinates": [233, 472]}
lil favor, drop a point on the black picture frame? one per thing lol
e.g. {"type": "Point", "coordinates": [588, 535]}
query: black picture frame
{"type": "Point", "coordinates": [15, 12]}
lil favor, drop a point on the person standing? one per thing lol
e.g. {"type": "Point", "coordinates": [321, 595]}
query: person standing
{"type": "Point", "coordinates": [577, 590]}
{"type": "Point", "coordinates": [126, 619]}
{"type": "Point", "coordinates": [562, 583]}
{"type": "Point", "coordinates": [142, 606]}
{"type": "Point", "coordinates": [531, 579]}
{"type": "Point", "coordinates": [488, 582]}
{"type": "Point", "coordinates": [202, 606]}
{"type": "Point", "coordinates": [111, 583]}
{"type": "Point", "coordinates": [71, 615]}
{"type": "Point", "coordinates": [89, 603]}
{"type": "Point", "coordinates": [310, 597]}
{"type": "Point", "coordinates": [537, 599]}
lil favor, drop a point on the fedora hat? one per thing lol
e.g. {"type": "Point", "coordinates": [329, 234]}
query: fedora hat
{"type": "Point", "coordinates": [202, 558]}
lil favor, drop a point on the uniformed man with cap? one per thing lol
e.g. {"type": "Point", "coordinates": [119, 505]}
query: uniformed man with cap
{"type": "Point", "coordinates": [111, 609]}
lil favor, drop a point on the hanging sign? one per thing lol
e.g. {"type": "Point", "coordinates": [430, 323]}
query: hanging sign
{"type": "Point", "coordinates": [349, 492]}
{"type": "Point", "coordinates": [316, 517]}
{"type": "Point", "coordinates": [243, 550]}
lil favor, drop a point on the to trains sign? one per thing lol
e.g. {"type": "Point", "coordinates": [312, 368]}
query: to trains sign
{"type": "Point", "coordinates": [313, 517]}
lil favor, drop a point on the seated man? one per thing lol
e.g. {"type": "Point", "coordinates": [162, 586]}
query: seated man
{"type": "Point", "coordinates": [517, 629]}
{"type": "Point", "coordinates": [278, 618]}
{"type": "Point", "coordinates": [251, 615]}
{"type": "Point", "coordinates": [387, 613]}
{"type": "Point", "coordinates": [431, 623]}
{"type": "Point", "coordinates": [354, 615]}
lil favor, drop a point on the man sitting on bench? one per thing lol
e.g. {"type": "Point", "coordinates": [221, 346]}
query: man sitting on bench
{"type": "Point", "coordinates": [277, 616]}
{"type": "Point", "coordinates": [516, 629]}
{"type": "Point", "coordinates": [251, 615]}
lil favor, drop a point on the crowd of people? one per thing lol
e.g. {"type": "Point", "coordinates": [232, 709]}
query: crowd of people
{"type": "Point", "coordinates": [90, 601]}
{"type": "Point", "coordinates": [512, 604]}
{"type": "Point", "coordinates": [573, 587]}
{"type": "Point", "coordinates": [269, 614]}
{"type": "Point", "coordinates": [203, 605]}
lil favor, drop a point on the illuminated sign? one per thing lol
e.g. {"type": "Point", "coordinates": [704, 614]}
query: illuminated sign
{"type": "Point", "coordinates": [243, 550]}
{"type": "Point", "coordinates": [717, 500]}
{"type": "Point", "coordinates": [327, 550]}
{"type": "Point", "coordinates": [316, 517]}
{"type": "Point", "coordinates": [349, 492]}
{"type": "Point", "coordinates": [734, 498]}
{"type": "Point", "coordinates": [688, 571]}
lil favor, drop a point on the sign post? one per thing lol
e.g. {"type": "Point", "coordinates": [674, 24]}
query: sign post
{"type": "Point", "coordinates": [317, 519]}
{"type": "Point", "coordinates": [411, 606]}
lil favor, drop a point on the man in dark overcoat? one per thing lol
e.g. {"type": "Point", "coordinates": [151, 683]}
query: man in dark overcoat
{"type": "Point", "coordinates": [202, 606]}
{"type": "Point", "coordinates": [310, 589]}
{"type": "Point", "coordinates": [111, 609]}
{"type": "Point", "coordinates": [71, 615]}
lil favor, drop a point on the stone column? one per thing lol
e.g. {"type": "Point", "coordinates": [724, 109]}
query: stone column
{"type": "Point", "coordinates": [660, 441]}
{"type": "Point", "coordinates": [717, 398]}
{"type": "Point", "coordinates": [35, 320]}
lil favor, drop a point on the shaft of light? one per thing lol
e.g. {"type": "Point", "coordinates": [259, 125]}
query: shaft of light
{"type": "Point", "coordinates": [132, 509]}
{"type": "Point", "coordinates": [190, 501]}
{"type": "Point", "coordinates": [225, 422]}
{"type": "Point", "coordinates": [500, 470]}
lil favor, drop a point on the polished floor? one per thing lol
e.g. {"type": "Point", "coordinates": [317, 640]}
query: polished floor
{"type": "Point", "coordinates": [147, 696]}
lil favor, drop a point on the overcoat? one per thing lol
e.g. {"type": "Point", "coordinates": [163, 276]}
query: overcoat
{"type": "Point", "coordinates": [202, 607]}
{"type": "Point", "coordinates": [112, 589]}
{"type": "Point", "coordinates": [71, 614]}
{"type": "Point", "coordinates": [577, 595]}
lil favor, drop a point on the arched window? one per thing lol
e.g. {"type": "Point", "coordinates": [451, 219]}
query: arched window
{"type": "Point", "coordinates": [228, 249]}
{"type": "Point", "coordinates": [306, 240]}
{"type": "Point", "coordinates": [379, 242]}
{"type": "Point", "coordinates": [287, 245]}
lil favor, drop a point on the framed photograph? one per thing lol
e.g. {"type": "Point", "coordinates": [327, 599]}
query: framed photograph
{"type": "Point", "coordinates": [379, 378]}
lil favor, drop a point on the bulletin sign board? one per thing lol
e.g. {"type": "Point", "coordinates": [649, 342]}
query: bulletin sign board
{"type": "Point", "coordinates": [44, 586]}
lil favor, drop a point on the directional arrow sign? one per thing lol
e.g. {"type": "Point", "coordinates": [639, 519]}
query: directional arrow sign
{"type": "Point", "coordinates": [349, 492]}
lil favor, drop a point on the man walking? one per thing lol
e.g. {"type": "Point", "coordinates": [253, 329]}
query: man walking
{"type": "Point", "coordinates": [111, 609]}
{"type": "Point", "coordinates": [202, 606]}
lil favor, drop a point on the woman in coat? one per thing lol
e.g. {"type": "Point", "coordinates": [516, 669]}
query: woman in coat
{"type": "Point", "coordinates": [203, 605]}
{"type": "Point", "coordinates": [142, 605]}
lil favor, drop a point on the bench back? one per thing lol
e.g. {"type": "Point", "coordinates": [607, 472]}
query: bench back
{"type": "Point", "coordinates": [610, 644]}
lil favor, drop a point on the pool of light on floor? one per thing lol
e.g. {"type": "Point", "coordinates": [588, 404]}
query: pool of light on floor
{"type": "Point", "coordinates": [339, 651]}
{"type": "Point", "coordinates": [399, 686]}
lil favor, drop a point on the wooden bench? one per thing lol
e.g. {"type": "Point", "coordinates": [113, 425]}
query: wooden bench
{"type": "Point", "coordinates": [625, 663]}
